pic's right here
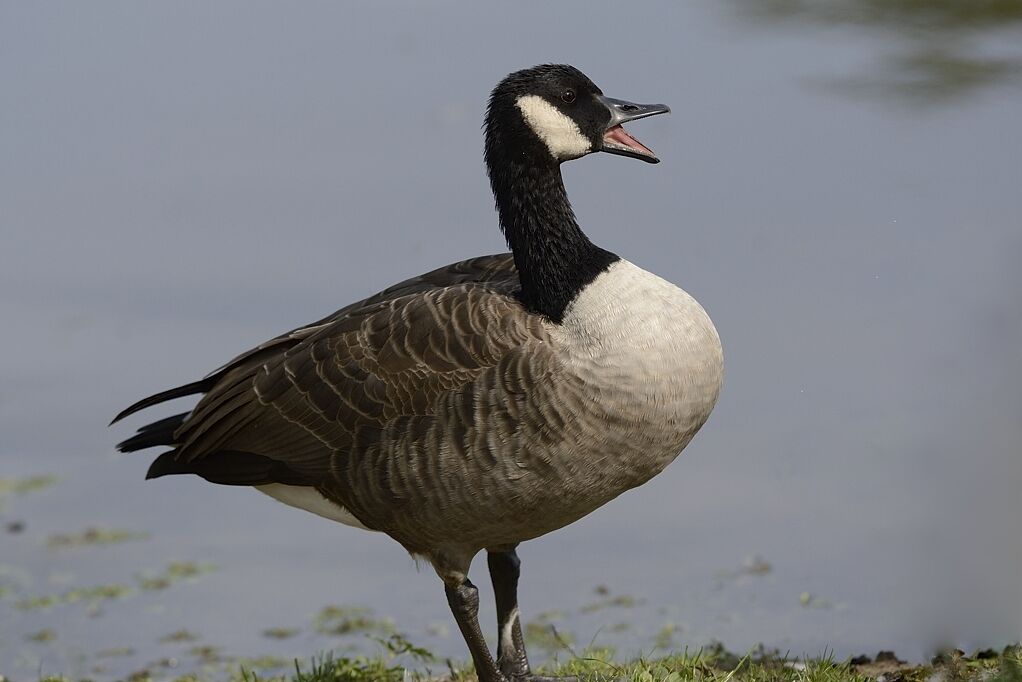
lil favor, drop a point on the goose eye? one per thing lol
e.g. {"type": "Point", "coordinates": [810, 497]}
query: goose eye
{"type": "Point", "coordinates": [568, 96]}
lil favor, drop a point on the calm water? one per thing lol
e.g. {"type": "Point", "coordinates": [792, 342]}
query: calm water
{"type": "Point", "coordinates": [839, 188]}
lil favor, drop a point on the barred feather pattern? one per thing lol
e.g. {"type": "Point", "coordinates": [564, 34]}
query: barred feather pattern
{"type": "Point", "coordinates": [446, 415]}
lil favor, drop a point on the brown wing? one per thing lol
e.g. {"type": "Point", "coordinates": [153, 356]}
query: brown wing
{"type": "Point", "coordinates": [281, 411]}
{"type": "Point", "coordinates": [498, 269]}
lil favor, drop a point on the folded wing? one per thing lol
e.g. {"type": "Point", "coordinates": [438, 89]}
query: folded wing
{"type": "Point", "coordinates": [283, 411]}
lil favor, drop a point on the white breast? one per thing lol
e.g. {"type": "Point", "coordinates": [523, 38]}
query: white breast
{"type": "Point", "coordinates": [645, 343]}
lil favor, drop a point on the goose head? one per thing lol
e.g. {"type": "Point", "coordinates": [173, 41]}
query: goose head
{"type": "Point", "coordinates": [553, 113]}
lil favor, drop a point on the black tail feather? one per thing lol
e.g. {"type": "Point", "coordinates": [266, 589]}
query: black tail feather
{"type": "Point", "coordinates": [151, 435]}
{"type": "Point", "coordinates": [228, 468]}
{"type": "Point", "coordinates": [201, 386]}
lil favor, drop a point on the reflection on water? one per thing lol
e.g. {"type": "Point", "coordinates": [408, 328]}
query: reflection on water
{"type": "Point", "coordinates": [944, 48]}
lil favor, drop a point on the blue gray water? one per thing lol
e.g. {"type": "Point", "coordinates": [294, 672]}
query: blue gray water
{"type": "Point", "coordinates": [840, 190]}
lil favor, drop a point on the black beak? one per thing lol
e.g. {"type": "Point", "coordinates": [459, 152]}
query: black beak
{"type": "Point", "coordinates": [616, 140]}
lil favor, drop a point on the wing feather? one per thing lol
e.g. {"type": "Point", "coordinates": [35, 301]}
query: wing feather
{"type": "Point", "coordinates": [298, 406]}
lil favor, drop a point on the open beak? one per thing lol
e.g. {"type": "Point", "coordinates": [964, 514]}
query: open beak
{"type": "Point", "coordinates": [616, 140]}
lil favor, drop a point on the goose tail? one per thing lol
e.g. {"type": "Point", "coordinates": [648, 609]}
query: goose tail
{"type": "Point", "coordinates": [153, 435]}
{"type": "Point", "coordinates": [201, 386]}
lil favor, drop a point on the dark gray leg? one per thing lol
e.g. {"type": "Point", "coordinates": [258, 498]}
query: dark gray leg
{"type": "Point", "coordinates": [504, 572]}
{"type": "Point", "coordinates": [512, 661]}
{"type": "Point", "coordinates": [464, 601]}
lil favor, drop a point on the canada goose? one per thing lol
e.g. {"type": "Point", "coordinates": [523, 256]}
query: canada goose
{"type": "Point", "coordinates": [482, 404]}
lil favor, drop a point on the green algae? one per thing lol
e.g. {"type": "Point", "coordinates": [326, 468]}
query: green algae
{"type": "Point", "coordinates": [92, 536]}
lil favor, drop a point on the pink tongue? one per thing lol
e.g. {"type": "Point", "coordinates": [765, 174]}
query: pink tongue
{"type": "Point", "coordinates": [618, 135]}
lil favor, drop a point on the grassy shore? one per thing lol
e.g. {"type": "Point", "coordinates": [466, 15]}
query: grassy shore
{"type": "Point", "coordinates": [712, 665]}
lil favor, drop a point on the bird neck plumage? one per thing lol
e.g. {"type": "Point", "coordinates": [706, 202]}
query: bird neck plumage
{"type": "Point", "coordinates": [554, 258]}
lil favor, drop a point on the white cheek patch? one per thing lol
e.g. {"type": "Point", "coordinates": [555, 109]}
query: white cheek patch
{"type": "Point", "coordinates": [559, 133]}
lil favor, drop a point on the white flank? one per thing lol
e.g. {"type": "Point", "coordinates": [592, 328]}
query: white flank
{"type": "Point", "coordinates": [309, 499]}
{"type": "Point", "coordinates": [559, 133]}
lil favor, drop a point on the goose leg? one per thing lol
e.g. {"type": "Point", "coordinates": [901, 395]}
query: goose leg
{"type": "Point", "coordinates": [505, 568]}
{"type": "Point", "coordinates": [463, 598]}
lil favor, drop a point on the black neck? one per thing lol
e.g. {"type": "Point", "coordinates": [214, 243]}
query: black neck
{"type": "Point", "coordinates": [554, 258]}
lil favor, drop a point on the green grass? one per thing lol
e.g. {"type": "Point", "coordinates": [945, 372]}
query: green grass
{"type": "Point", "coordinates": [708, 665]}
{"type": "Point", "coordinates": [714, 665]}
